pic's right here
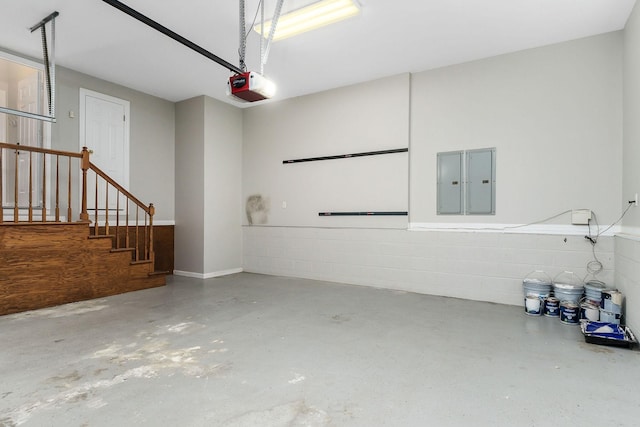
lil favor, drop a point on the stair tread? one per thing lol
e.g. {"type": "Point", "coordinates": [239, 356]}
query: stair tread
{"type": "Point", "coordinates": [160, 273]}
{"type": "Point", "coordinates": [143, 261]}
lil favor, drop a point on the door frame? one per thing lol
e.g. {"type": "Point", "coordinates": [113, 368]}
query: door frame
{"type": "Point", "coordinates": [82, 119]}
{"type": "Point", "coordinates": [3, 138]}
{"type": "Point", "coordinates": [84, 93]}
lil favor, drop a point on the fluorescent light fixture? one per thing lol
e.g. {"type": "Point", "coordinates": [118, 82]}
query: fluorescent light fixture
{"type": "Point", "coordinates": [310, 17]}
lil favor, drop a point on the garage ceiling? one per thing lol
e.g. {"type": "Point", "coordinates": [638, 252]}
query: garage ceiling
{"type": "Point", "coordinates": [387, 38]}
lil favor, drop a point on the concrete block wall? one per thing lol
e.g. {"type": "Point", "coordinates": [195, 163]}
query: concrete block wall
{"type": "Point", "coordinates": [483, 266]}
{"type": "Point", "coordinates": [627, 266]}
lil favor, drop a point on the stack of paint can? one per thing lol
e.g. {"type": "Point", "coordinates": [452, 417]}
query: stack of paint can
{"type": "Point", "coordinates": [568, 289]}
{"type": "Point", "coordinates": [537, 288]}
{"type": "Point", "coordinates": [611, 306]}
{"type": "Point", "coordinates": [590, 305]}
{"type": "Point", "coordinates": [593, 291]}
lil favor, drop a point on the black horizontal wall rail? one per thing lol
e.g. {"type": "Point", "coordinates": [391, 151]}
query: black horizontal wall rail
{"type": "Point", "coordinates": [346, 156]}
{"type": "Point", "coordinates": [365, 213]}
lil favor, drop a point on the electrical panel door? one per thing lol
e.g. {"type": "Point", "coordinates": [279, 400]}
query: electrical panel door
{"type": "Point", "coordinates": [450, 183]}
{"type": "Point", "coordinates": [481, 181]}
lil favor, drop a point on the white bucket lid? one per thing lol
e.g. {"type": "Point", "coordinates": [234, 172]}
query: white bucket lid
{"type": "Point", "coordinates": [568, 288]}
{"type": "Point", "coordinates": [595, 285]}
{"type": "Point", "coordinates": [567, 281]}
{"type": "Point", "coordinates": [537, 277]}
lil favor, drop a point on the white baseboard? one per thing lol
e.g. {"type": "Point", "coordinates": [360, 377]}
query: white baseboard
{"type": "Point", "coordinates": [207, 275]}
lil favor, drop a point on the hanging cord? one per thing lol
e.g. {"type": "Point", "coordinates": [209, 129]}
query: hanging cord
{"type": "Point", "coordinates": [538, 222]}
{"type": "Point", "coordinates": [255, 17]}
{"type": "Point", "coordinates": [511, 227]}
{"type": "Point", "coordinates": [594, 266]}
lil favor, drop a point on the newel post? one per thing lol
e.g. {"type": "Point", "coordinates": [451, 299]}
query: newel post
{"type": "Point", "coordinates": [152, 257]}
{"type": "Point", "coordinates": [84, 215]}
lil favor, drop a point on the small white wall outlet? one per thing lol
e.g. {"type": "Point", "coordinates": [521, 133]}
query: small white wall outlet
{"type": "Point", "coordinates": [284, 205]}
{"type": "Point", "coordinates": [636, 200]}
{"type": "Point", "coordinates": [580, 216]}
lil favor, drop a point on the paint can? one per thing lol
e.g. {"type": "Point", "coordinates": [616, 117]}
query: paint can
{"type": "Point", "coordinates": [569, 313]}
{"type": "Point", "coordinates": [552, 307]}
{"type": "Point", "coordinates": [568, 287]}
{"type": "Point", "coordinates": [609, 317]}
{"type": "Point", "coordinates": [593, 291]}
{"type": "Point", "coordinates": [536, 284]}
{"type": "Point", "coordinates": [612, 301]}
{"type": "Point", "coordinates": [589, 311]}
{"type": "Point", "coordinates": [533, 305]}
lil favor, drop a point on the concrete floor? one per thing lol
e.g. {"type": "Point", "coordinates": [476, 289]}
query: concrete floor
{"type": "Point", "coordinates": [253, 350]}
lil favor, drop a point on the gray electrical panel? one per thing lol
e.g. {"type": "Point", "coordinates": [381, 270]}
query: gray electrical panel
{"type": "Point", "coordinates": [450, 183]}
{"type": "Point", "coordinates": [480, 182]}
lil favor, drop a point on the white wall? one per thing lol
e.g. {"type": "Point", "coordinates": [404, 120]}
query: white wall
{"type": "Point", "coordinates": [555, 116]}
{"type": "Point", "coordinates": [152, 178]}
{"type": "Point", "coordinates": [367, 117]}
{"type": "Point", "coordinates": [631, 154]}
{"type": "Point", "coordinates": [476, 266]}
{"type": "Point", "coordinates": [208, 234]}
{"type": "Point", "coordinates": [189, 166]}
{"type": "Point", "coordinates": [222, 188]}
{"type": "Point", "coordinates": [627, 247]}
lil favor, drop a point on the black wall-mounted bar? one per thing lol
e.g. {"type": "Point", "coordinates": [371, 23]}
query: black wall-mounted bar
{"type": "Point", "coordinates": [366, 213]}
{"type": "Point", "coordinates": [346, 156]}
{"type": "Point", "coordinates": [177, 37]}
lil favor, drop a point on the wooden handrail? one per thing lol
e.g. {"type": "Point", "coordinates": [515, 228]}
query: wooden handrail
{"type": "Point", "coordinates": [40, 150]}
{"type": "Point", "coordinates": [118, 187]}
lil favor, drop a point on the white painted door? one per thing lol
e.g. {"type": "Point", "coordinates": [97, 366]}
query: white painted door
{"type": "Point", "coordinates": [104, 130]}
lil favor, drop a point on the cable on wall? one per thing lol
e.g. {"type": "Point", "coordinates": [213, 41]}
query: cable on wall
{"type": "Point", "coordinates": [594, 266]}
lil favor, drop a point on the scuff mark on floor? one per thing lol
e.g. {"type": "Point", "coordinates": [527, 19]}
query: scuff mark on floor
{"type": "Point", "coordinates": [294, 414]}
{"type": "Point", "coordinates": [65, 381]}
{"type": "Point", "coordinates": [180, 327]}
{"type": "Point", "coordinates": [81, 392]}
{"type": "Point", "coordinates": [596, 348]}
{"type": "Point", "coordinates": [151, 351]}
{"type": "Point", "coordinates": [340, 318]}
{"type": "Point", "coordinates": [65, 310]}
{"type": "Point", "coordinates": [297, 379]}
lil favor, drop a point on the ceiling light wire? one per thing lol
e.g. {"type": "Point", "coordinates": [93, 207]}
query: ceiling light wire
{"type": "Point", "coordinates": [272, 31]}
{"type": "Point", "coordinates": [255, 17]}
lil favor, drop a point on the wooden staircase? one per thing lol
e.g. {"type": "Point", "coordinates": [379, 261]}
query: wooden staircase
{"type": "Point", "coordinates": [47, 259]}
